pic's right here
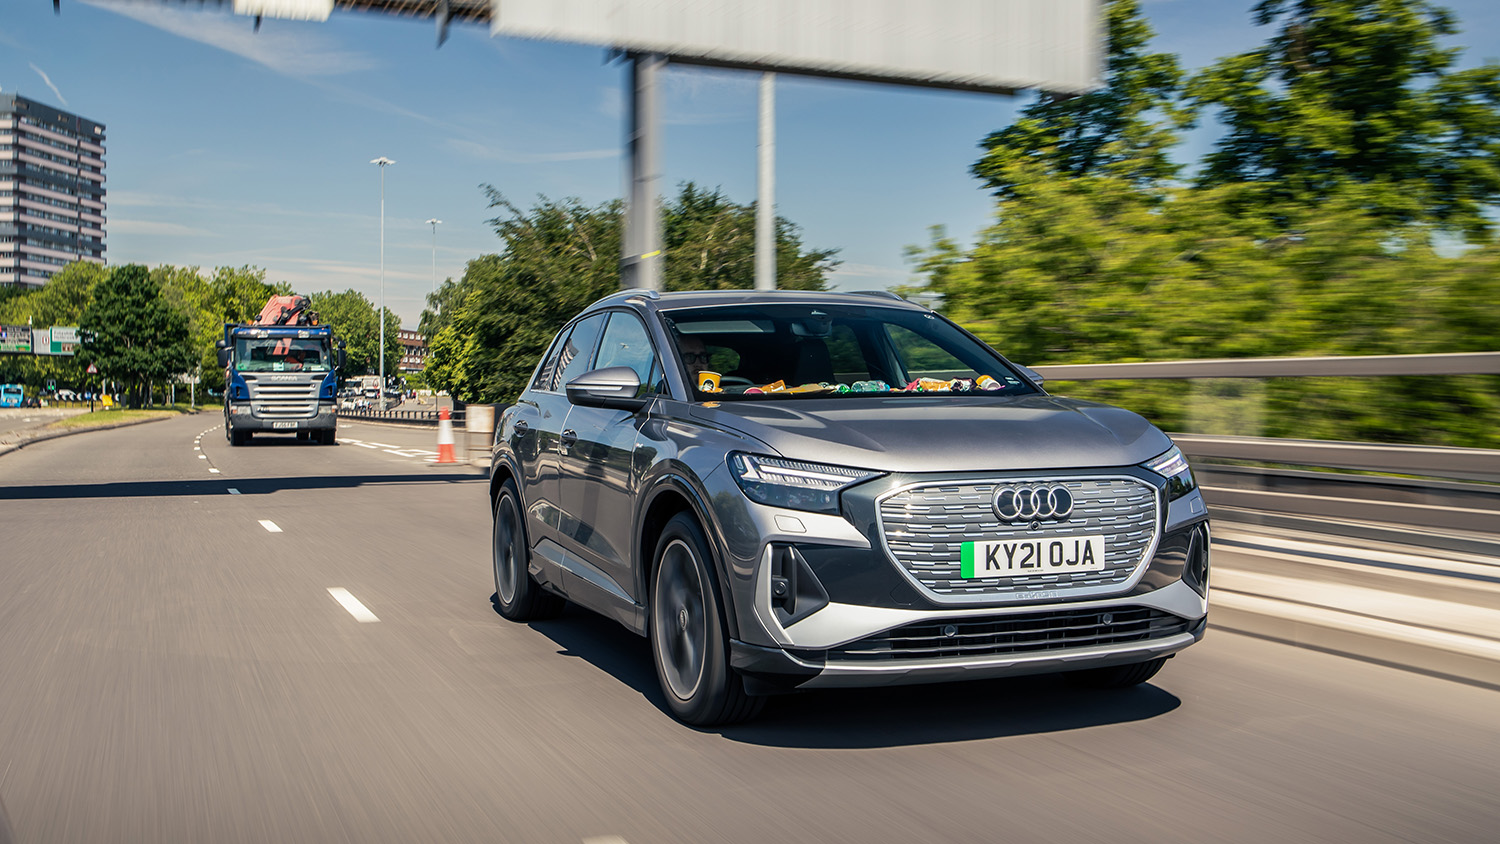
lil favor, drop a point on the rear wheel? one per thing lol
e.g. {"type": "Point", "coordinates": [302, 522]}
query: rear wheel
{"type": "Point", "coordinates": [689, 640]}
{"type": "Point", "coordinates": [1118, 676]}
{"type": "Point", "coordinates": [517, 596]}
{"type": "Point", "coordinates": [238, 438]}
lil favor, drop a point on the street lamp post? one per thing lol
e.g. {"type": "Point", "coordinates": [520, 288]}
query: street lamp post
{"type": "Point", "coordinates": [382, 162]}
{"type": "Point", "coordinates": [434, 222]}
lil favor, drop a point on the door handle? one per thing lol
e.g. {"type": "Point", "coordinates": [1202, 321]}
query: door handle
{"type": "Point", "coordinates": [569, 436]}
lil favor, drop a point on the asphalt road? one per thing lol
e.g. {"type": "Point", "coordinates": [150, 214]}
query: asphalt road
{"type": "Point", "coordinates": [172, 670]}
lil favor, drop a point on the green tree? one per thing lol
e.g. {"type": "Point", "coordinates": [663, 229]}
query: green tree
{"type": "Point", "coordinates": [1362, 91]}
{"type": "Point", "coordinates": [1123, 129]}
{"type": "Point", "coordinates": [710, 245]}
{"type": "Point", "coordinates": [356, 322]}
{"type": "Point", "coordinates": [133, 333]}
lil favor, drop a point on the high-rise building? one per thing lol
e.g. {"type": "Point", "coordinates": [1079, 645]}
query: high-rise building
{"type": "Point", "coordinates": [51, 191]}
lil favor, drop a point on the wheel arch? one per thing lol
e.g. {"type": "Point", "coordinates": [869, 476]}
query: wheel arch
{"type": "Point", "coordinates": [674, 494]}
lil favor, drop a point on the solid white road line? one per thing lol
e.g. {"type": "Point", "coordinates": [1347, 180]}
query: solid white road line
{"type": "Point", "coordinates": [352, 604]}
{"type": "Point", "coordinates": [270, 526]}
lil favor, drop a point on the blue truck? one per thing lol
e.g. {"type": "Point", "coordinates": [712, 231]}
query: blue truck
{"type": "Point", "coordinates": [281, 375]}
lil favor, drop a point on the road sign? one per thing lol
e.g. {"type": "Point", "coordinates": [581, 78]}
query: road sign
{"type": "Point", "coordinates": [64, 339]}
{"type": "Point", "coordinates": [93, 370]}
{"type": "Point", "coordinates": [15, 339]}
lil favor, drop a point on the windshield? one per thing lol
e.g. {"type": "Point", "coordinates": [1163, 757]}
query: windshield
{"type": "Point", "coordinates": [280, 354]}
{"type": "Point", "coordinates": [775, 351]}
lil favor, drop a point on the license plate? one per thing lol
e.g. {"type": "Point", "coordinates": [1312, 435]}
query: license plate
{"type": "Point", "coordinates": [283, 424]}
{"type": "Point", "coordinates": [1023, 557]}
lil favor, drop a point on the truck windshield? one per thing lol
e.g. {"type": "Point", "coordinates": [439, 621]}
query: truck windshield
{"type": "Point", "coordinates": [280, 354]}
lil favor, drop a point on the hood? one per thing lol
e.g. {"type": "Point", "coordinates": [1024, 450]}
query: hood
{"type": "Point", "coordinates": [945, 433]}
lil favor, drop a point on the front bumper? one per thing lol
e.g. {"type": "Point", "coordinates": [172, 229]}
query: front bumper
{"type": "Point", "coordinates": [923, 646]}
{"type": "Point", "coordinates": [246, 420]}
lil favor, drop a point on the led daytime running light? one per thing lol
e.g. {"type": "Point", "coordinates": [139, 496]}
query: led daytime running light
{"type": "Point", "coordinates": [1169, 465]}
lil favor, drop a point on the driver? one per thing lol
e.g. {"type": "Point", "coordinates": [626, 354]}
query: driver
{"type": "Point", "coordinates": [694, 357]}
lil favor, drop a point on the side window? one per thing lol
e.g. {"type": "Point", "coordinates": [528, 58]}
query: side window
{"type": "Point", "coordinates": [626, 343]}
{"type": "Point", "coordinates": [548, 370]}
{"type": "Point", "coordinates": [578, 351]}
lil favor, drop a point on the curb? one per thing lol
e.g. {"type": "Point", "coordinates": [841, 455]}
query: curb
{"type": "Point", "coordinates": [7, 448]}
{"type": "Point", "coordinates": [1453, 656]}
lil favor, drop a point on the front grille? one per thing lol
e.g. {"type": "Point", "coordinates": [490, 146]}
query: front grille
{"type": "Point", "coordinates": [925, 528]}
{"type": "Point", "coordinates": [285, 401]}
{"type": "Point", "coordinates": [1013, 634]}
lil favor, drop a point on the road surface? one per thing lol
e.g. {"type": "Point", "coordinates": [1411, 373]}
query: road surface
{"type": "Point", "coordinates": [175, 668]}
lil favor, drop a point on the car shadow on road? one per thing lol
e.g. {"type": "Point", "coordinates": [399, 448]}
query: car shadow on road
{"type": "Point", "coordinates": [882, 717]}
{"type": "Point", "coordinates": [220, 485]}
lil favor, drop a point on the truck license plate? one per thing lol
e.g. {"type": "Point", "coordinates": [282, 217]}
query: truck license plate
{"type": "Point", "coordinates": [283, 424]}
{"type": "Point", "coordinates": [1023, 557]}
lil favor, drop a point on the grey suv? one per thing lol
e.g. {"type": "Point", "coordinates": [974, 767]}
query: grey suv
{"type": "Point", "coordinates": [791, 490]}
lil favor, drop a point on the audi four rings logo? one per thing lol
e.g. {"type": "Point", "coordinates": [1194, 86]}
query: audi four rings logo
{"type": "Point", "coordinates": [1025, 503]}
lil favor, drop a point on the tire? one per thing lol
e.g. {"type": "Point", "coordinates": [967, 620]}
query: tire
{"type": "Point", "coordinates": [304, 436]}
{"type": "Point", "coordinates": [689, 639]}
{"type": "Point", "coordinates": [328, 437]}
{"type": "Point", "coordinates": [518, 596]}
{"type": "Point", "coordinates": [238, 438]}
{"type": "Point", "coordinates": [1118, 676]}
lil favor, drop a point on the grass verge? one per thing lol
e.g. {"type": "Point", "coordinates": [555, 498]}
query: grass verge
{"type": "Point", "coordinates": [110, 418]}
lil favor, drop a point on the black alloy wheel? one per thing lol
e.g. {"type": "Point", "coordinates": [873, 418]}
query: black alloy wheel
{"type": "Point", "coordinates": [517, 596]}
{"type": "Point", "coordinates": [689, 640]}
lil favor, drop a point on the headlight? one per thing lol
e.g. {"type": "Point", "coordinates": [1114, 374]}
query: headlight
{"type": "Point", "coordinates": [793, 483]}
{"type": "Point", "coordinates": [1174, 467]}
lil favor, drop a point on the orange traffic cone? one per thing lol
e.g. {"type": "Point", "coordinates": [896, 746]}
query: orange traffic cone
{"type": "Point", "coordinates": [445, 437]}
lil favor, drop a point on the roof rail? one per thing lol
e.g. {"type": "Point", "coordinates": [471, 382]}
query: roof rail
{"type": "Point", "coordinates": [627, 293]}
{"type": "Point", "coordinates": [884, 294]}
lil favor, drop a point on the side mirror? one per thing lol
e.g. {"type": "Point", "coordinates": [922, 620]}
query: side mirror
{"type": "Point", "coordinates": [223, 351]}
{"type": "Point", "coordinates": [1036, 377]}
{"type": "Point", "coordinates": [343, 357]}
{"type": "Point", "coordinates": [615, 386]}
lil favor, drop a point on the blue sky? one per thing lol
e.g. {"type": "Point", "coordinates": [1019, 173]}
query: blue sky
{"type": "Point", "coordinates": [231, 147]}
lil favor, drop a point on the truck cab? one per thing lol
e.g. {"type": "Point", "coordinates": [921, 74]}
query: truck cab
{"type": "Point", "coordinates": [280, 379]}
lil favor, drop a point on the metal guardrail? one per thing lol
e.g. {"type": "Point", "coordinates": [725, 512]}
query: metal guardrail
{"type": "Point", "coordinates": [1470, 464]}
{"type": "Point", "coordinates": [424, 417]}
{"type": "Point", "coordinates": [1462, 363]}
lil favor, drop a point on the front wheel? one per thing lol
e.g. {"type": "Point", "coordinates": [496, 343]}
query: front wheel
{"type": "Point", "coordinates": [517, 596]}
{"type": "Point", "coordinates": [689, 640]}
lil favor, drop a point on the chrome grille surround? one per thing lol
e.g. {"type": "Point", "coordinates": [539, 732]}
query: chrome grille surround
{"type": "Point", "coordinates": [923, 526]}
{"type": "Point", "coordinates": [1013, 635]}
{"type": "Point", "coordinates": [284, 401]}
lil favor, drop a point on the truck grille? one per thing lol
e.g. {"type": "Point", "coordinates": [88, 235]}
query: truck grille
{"type": "Point", "coordinates": [285, 401]}
{"type": "Point", "coordinates": [925, 527]}
{"type": "Point", "coordinates": [1013, 634]}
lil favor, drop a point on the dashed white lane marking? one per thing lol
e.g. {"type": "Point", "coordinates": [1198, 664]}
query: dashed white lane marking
{"type": "Point", "coordinates": [359, 611]}
{"type": "Point", "coordinates": [197, 448]}
{"type": "Point", "coordinates": [214, 471]}
{"type": "Point", "coordinates": [203, 457]}
{"type": "Point", "coordinates": [270, 526]}
{"type": "Point", "coordinates": [383, 445]}
{"type": "Point", "coordinates": [233, 491]}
